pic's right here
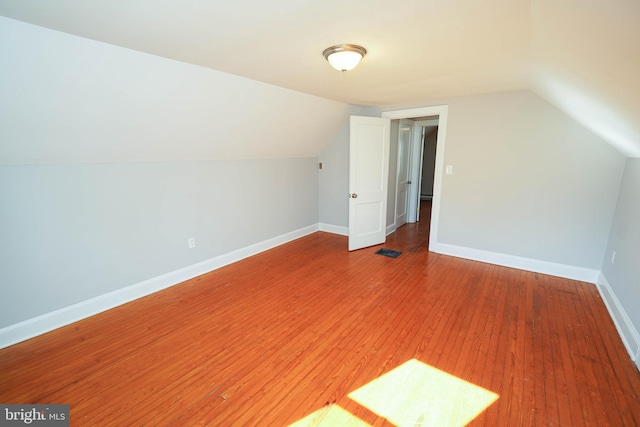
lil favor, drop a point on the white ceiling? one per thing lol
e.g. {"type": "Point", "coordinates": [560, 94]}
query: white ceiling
{"type": "Point", "coordinates": [581, 55]}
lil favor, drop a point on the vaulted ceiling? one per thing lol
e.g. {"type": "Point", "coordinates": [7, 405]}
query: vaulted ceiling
{"type": "Point", "coordinates": [583, 56]}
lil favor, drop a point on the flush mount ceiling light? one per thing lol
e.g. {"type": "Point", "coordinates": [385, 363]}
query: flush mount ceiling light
{"type": "Point", "coordinates": [344, 57]}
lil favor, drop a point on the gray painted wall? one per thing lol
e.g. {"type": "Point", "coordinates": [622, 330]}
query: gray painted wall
{"type": "Point", "coordinates": [74, 232]}
{"type": "Point", "coordinates": [527, 181]}
{"type": "Point", "coordinates": [66, 99]}
{"type": "Point", "coordinates": [110, 159]}
{"type": "Point", "coordinates": [333, 180]}
{"type": "Point", "coordinates": [624, 274]}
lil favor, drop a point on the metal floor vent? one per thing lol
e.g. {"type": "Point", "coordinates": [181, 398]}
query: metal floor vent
{"type": "Point", "coordinates": [389, 253]}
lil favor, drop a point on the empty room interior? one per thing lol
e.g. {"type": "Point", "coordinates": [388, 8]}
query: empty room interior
{"type": "Point", "coordinates": [195, 198]}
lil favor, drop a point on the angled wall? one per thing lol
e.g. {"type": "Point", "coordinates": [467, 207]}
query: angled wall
{"type": "Point", "coordinates": [620, 281]}
{"type": "Point", "coordinates": [66, 99]}
{"type": "Point", "coordinates": [111, 159]}
{"type": "Point", "coordinates": [584, 60]}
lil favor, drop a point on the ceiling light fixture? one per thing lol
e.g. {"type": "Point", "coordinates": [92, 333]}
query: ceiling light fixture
{"type": "Point", "coordinates": [344, 57]}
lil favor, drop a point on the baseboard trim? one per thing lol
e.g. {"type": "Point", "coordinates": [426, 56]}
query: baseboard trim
{"type": "Point", "coordinates": [628, 333]}
{"type": "Point", "coordinates": [391, 228]}
{"type": "Point", "coordinates": [47, 322]}
{"type": "Point", "coordinates": [520, 263]}
{"type": "Point", "coordinates": [626, 330]}
{"type": "Point", "coordinates": [335, 229]}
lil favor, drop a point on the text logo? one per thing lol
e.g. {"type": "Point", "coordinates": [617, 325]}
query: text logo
{"type": "Point", "coordinates": [34, 415]}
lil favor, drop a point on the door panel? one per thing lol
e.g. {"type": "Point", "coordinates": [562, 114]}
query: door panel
{"type": "Point", "coordinates": [403, 181]}
{"type": "Point", "coordinates": [368, 175]}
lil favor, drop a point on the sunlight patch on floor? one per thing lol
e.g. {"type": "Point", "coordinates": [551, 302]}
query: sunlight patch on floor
{"type": "Point", "coordinates": [332, 415]}
{"type": "Point", "coordinates": [416, 394]}
{"type": "Point", "coordinates": [412, 395]}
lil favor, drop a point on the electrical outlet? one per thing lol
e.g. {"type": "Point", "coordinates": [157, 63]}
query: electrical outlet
{"type": "Point", "coordinates": [613, 257]}
{"type": "Point", "coordinates": [449, 170]}
{"type": "Point", "coordinates": [191, 242]}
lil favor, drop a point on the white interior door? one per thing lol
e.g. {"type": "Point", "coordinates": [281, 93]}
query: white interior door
{"type": "Point", "coordinates": [415, 171]}
{"type": "Point", "coordinates": [403, 178]}
{"type": "Point", "coordinates": [368, 180]}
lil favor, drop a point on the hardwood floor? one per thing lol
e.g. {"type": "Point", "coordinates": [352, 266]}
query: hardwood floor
{"type": "Point", "coordinates": [271, 339]}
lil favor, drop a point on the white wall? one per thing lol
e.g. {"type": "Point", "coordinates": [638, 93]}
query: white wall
{"type": "Point", "coordinates": [110, 159]}
{"type": "Point", "coordinates": [623, 275]}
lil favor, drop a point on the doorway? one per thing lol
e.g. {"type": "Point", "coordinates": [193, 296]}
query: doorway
{"type": "Point", "coordinates": [429, 144]}
{"type": "Point", "coordinates": [440, 112]}
{"type": "Point", "coordinates": [424, 167]}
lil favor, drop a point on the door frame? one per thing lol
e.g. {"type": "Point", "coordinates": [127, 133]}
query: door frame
{"type": "Point", "coordinates": [441, 111]}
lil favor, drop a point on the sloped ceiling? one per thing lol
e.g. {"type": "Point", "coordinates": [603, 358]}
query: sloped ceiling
{"type": "Point", "coordinates": [586, 61]}
{"type": "Point", "coordinates": [583, 56]}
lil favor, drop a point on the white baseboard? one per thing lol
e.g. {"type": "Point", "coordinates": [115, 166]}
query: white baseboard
{"type": "Point", "coordinates": [39, 325]}
{"type": "Point", "coordinates": [47, 322]}
{"type": "Point", "coordinates": [626, 330]}
{"type": "Point", "coordinates": [391, 228]}
{"type": "Point", "coordinates": [628, 333]}
{"type": "Point", "coordinates": [520, 263]}
{"type": "Point", "coordinates": [335, 229]}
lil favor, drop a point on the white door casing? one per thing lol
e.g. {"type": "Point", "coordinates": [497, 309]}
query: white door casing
{"type": "Point", "coordinates": [369, 141]}
{"type": "Point", "coordinates": [403, 180]}
{"type": "Point", "coordinates": [417, 150]}
{"type": "Point", "coordinates": [442, 112]}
